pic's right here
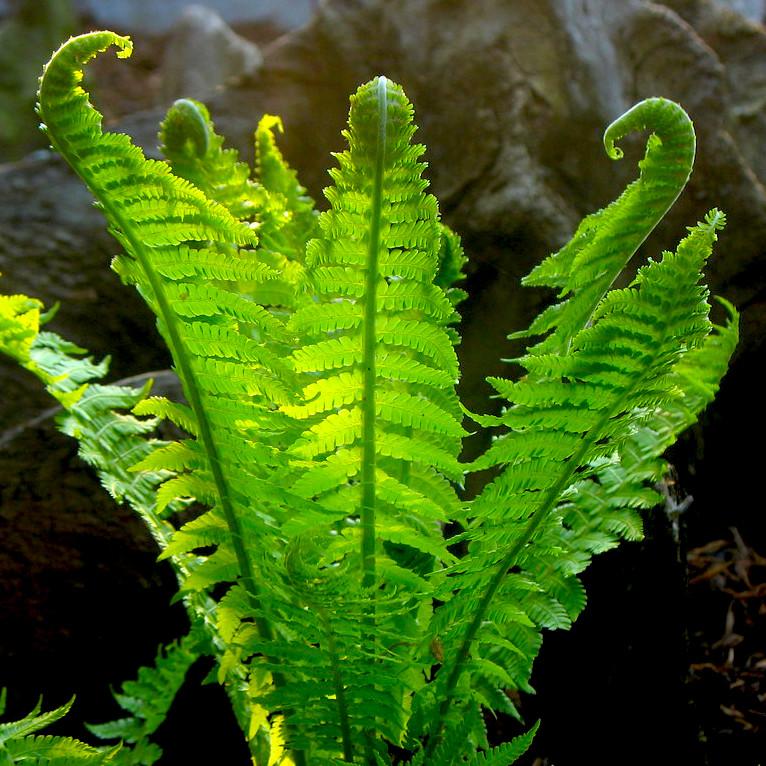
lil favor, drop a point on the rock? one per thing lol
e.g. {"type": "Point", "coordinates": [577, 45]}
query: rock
{"type": "Point", "coordinates": [151, 17]}
{"type": "Point", "coordinates": [754, 10]}
{"type": "Point", "coordinates": [740, 46]}
{"type": "Point", "coordinates": [514, 133]}
{"type": "Point", "coordinates": [512, 100]}
{"type": "Point", "coordinates": [203, 54]}
{"type": "Point", "coordinates": [70, 557]}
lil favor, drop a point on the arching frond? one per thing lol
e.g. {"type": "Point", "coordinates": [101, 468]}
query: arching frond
{"type": "Point", "coordinates": [156, 215]}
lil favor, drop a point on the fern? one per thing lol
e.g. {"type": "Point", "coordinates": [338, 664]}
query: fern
{"type": "Point", "coordinates": [323, 428]}
{"type": "Point", "coordinates": [20, 745]}
{"type": "Point", "coordinates": [148, 699]}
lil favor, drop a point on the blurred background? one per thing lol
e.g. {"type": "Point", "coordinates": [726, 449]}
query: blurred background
{"type": "Point", "coordinates": [669, 660]}
{"type": "Point", "coordinates": [31, 29]}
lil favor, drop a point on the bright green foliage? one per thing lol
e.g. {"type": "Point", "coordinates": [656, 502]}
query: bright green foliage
{"type": "Point", "coordinates": [275, 202]}
{"type": "Point", "coordinates": [317, 358]}
{"type": "Point", "coordinates": [148, 699]}
{"type": "Point", "coordinates": [570, 418]}
{"type": "Point", "coordinates": [19, 744]}
{"type": "Point", "coordinates": [383, 421]}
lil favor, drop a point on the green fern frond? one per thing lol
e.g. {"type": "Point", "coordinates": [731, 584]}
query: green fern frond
{"type": "Point", "coordinates": [618, 369]}
{"type": "Point", "coordinates": [154, 213]}
{"type": "Point", "coordinates": [602, 511]}
{"type": "Point", "coordinates": [287, 222]}
{"type": "Point", "coordinates": [58, 751]}
{"type": "Point", "coordinates": [148, 699]}
{"type": "Point", "coordinates": [195, 152]}
{"type": "Point", "coordinates": [584, 269]}
{"type": "Point", "coordinates": [113, 442]}
{"type": "Point", "coordinates": [32, 722]}
{"type": "Point", "coordinates": [507, 753]}
{"type": "Point", "coordinates": [372, 270]}
{"type": "Point", "coordinates": [452, 259]}
{"type": "Point", "coordinates": [20, 745]}
{"type": "Point", "coordinates": [276, 202]}
{"type": "Point", "coordinates": [292, 218]}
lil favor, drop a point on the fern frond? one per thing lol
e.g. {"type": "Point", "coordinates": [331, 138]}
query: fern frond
{"type": "Point", "coordinates": [602, 510]}
{"type": "Point", "coordinates": [148, 699]}
{"type": "Point", "coordinates": [113, 442]}
{"type": "Point", "coordinates": [32, 722]}
{"type": "Point", "coordinates": [58, 751]}
{"type": "Point", "coordinates": [507, 753]}
{"type": "Point", "coordinates": [584, 269]}
{"type": "Point", "coordinates": [617, 369]}
{"type": "Point", "coordinates": [276, 202]}
{"type": "Point", "coordinates": [152, 212]}
{"type": "Point", "coordinates": [19, 744]}
{"type": "Point", "coordinates": [291, 219]}
{"type": "Point", "coordinates": [377, 388]}
{"type": "Point", "coordinates": [452, 259]}
{"type": "Point", "coordinates": [195, 152]}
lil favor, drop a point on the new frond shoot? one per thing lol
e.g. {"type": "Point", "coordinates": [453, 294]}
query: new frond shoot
{"type": "Point", "coordinates": [323, 428]}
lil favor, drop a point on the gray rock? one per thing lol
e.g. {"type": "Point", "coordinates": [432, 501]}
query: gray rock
{"type": "Point", "coordinates": [150, 17]}
{"type": "Point", "coordinates": [754, 10]}
{"type": "Point", "coordinates": [203, 54]}
{"type": "Point", "coordinates": [512, 99]}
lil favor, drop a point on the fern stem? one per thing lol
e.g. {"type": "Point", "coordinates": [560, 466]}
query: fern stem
{"type": "Point", "coordinates": [370, 310]}
{"type": "Point", "coordinates": [340, 689]}
{"type": "Point", "coordinates": [368, 397]}
{"type": "Point", "coordinates": [195, 400]}
{"type": "Point", "coordinates": [69, 150]}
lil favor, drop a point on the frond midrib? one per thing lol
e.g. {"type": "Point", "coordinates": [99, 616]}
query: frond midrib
{"type": "Point", "coordinates": [368, 478]}
{"type": "Point", "coordinates": [195, 400]}
{"type": "Point", "coordinates": [368, 349]}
